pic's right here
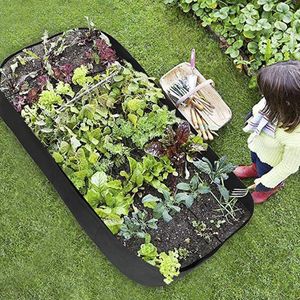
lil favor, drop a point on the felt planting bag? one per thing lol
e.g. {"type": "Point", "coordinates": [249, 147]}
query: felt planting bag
{"type": "Point", "coordinates": [137, 178]}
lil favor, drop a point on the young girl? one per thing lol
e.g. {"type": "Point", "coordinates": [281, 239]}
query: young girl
{"type": "Point", "coordinates": [275, 130]}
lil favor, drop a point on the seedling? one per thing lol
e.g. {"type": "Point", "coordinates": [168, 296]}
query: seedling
{"type": "Point", "coordinates": [183, 253]}
{"type": "Point", "coordinates": [202, 230]}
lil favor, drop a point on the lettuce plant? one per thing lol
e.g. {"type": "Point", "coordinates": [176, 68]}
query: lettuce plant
{"type": "Point", "coordinates": [106, 53]}
{"type": "Point", "coordinates": [80, 76]}
{"type": "Point", "coordinates": [168, 263]}
{"type": "Point", "coordinates": [150, 171]}
{"type": "Point", "coordinates": [175, 144]}
{"type": "Point", "coordinates": [148, 252]}
{"type": "Point", "coordinates": [108, 199]}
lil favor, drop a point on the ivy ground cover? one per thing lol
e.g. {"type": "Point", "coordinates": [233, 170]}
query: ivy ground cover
{"type": "Point", "coordinates": [133, 160]}
{"type": "Point", "coordinates": [254, 33]}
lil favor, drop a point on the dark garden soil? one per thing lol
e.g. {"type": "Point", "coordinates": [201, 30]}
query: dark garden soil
{"type": "Point", "coordinates": [180, 233]}
{"type": "Point", "coordinates": [198, 229]}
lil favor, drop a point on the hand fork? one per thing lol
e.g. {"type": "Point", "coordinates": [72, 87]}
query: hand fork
{"type": "Point", "coordinates": [239, 193]}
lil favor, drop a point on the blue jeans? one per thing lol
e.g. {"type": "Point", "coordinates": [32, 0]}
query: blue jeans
{"type": "Point", "coordinates": [262, 169]}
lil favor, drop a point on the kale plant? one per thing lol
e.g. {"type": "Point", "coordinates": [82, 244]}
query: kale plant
{"type": "Point", "coordinates": [162, 208]}
{"type": "Point", "coordinates": [218, 174]}
{"type": "Point", "coordinates": [137, 225]}
{"type": "Point", "coordinates": [192, 190]}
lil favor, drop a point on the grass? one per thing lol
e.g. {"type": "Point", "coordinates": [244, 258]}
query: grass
{"type": "Point", "coordinates": [44, 254]}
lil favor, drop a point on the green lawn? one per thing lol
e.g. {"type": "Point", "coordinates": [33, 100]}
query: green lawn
{"type": "Point", "coordinates": [44, 254]}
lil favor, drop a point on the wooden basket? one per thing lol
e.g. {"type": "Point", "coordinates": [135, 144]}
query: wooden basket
{"type": "Point", "coordinates": [221, 113]}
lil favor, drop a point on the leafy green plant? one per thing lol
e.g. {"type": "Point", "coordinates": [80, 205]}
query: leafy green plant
{"type": "Point", "coordinates": [137, 225]}
{"type": "Point", "coordinates": [192, 190]}
{"type": "Point", "coordinates": [105, 195]}
{"type": "Point", "coordinates": [49, 98]}
{"type": "Point", "coordinates": [28, 87]}
{"type": "Point", "coordinates": [162, 208]}
{"type": "Point", "coordinates": [143, 129]}
{"type": "Point", "coordinates": [202, 230]}
{"type": "Point", "coordinates": [108, 200]}
{"type": "Point", "coordinates": [80, 76]}
{"type": "Point", "coordinates": [148, 251]}
{"type": "Point", "coordinates": [218, 174]}
{"type": "Point", "coordinates": [218, 171]}
{"type": "Point", "coordinates": [150, 170]}
{"type": "Point", "coordinates": [176, 144]}
{"type": "Point", "coordinates": [169, 265]}
{"type": "Point", "coordinates": [183, 253]}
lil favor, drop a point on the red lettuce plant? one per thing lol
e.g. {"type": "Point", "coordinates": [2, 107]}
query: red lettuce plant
{"type": "Point", "coordinates": [63, 73]}
{"type": "Point", "coordinates": [176, 144]}
{"type": "Point", "coordinates": [171, 144]}
{"type": "Point", "coordinates": [106, 53]}
{"type": "Point", "coordinates": [29, 95]}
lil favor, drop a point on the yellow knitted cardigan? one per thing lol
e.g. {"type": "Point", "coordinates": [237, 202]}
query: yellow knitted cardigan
{"type": "Point", "coordinates": [281, 152]}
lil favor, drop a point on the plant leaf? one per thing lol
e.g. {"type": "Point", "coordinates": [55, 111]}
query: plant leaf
{"type": "Point", "coordinates": [155, 148]}
{"type": "Point", "coordinates": [182, 133]}
{"type": "Point", "coordinates": [183, 186]}
{"type": "Point", "coordinates": [166, 216]}
{"type": "Point", "coordinates": [99, 178]}
{"type": "Point", "coordinates": [224, 192]}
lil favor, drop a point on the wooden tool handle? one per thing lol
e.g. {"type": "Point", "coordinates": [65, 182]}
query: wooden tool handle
{"type": "Point", "coordinates": [194, 117]}
{"type": "Point", "coordinates": [201, 127]}
{"type": "Point", "coordinates": [198, 105]}
{"type": "Point", "coordinates": [206, 127]}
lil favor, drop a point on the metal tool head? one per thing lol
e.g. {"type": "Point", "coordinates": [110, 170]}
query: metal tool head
{"type": "Point", "coordinates": [239, 193]}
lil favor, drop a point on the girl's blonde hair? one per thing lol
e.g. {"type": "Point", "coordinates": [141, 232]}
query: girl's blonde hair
{"type": "Point", "coordinates": [280, 85]}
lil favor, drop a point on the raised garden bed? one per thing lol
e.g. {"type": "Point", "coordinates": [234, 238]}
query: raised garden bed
{"type": "Point", "coordinates": [128, 166]}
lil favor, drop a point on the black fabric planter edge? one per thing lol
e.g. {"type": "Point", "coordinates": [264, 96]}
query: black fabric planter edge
{"type": "Point", "coordinates": [127, 262]}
